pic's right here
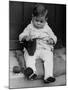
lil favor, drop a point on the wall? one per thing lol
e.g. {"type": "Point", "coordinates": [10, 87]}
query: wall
{"type": "Point", "coordinates": [61, 23]}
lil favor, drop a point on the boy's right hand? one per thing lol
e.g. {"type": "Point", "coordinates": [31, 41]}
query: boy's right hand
{"type": "Point", "coordinates": [27, 38]}
{"type": "Point", "coordinates": [21, 39]}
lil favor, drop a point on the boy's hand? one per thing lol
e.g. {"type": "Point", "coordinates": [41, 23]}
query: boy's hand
{"type": "Point", "coordinates": [27, 38]}
{"type": "Point", "coordinates": [51, 41]}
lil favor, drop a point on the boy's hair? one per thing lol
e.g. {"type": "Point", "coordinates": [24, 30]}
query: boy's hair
{"type": "Point", "coordinates": [39, 10]}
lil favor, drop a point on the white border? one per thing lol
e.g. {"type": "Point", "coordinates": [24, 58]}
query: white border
{"type": "Point", "coordinates": [46, 1]}
{"type": "Point", "coordinates": [4, 42]}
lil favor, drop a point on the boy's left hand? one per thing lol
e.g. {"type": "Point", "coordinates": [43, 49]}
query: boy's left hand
{"type": "Point", "coordinates": [51, 41]}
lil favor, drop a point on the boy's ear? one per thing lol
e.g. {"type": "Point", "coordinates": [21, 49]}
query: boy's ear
{"type": "Point", "coordinates": [46, 12]}
{"type": "Point", "coordinates": [32, 16]}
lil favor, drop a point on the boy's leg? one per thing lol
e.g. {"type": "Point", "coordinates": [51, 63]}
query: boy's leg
{"type": "Point", "coordinates": [48, 63]}
{"type": "Point", "coordinates": [30, 60]}
{"type": "Point", "coordinates": [30, 66]}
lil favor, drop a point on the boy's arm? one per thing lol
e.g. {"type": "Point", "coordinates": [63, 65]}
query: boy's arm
{"type": "Point", "coordinates": [52, 35]}
{"type": "Point", "coordinates": [24, 34]}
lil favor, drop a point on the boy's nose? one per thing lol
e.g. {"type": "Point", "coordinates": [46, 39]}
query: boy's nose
{"type": "Point", "coordinates": [38, 23]}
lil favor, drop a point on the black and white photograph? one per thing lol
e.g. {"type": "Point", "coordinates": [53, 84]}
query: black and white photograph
{"type": "Point", "coordinates": [37, 44]}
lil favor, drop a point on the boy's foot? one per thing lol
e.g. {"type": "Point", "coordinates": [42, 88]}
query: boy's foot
{"type": "Point", "coordinates": [33, 77]}
{"type": "Point", "coordinates": [30, 75]}
{"type": "Point", "coordinates": [49, 80]}
{"type": "Point", "coordinates": [27, 72]}
{"type": "Point", "coordinates": [46, 81]}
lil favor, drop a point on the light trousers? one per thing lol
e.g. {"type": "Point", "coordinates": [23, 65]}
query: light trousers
{"type": "Point", "coordinates": [46, 56]}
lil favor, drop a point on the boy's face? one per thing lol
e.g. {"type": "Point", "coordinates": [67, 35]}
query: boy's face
{"type": "Point", "coordinates": [39, 22]}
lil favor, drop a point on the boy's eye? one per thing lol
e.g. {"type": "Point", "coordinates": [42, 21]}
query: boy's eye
{"type": "Point", "coordinates": [41, 21]}
{"type": "Point", "coordinates": [37, 20]}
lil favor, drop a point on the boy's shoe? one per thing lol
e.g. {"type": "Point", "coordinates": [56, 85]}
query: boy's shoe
{"type": "Point", "coordinates": [46, 81]}
{"type": "Point", "coordinates": [49, 80]}
{"type": "Point", "coordinates": [33, 77]}
{"type": "Point", "coordinates": [30, 75]}
{"type": "Point", "coordinates": [28, 71]}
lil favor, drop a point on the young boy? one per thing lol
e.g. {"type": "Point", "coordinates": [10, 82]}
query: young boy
{"type": "Point", "coordinates": [45, 39]}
